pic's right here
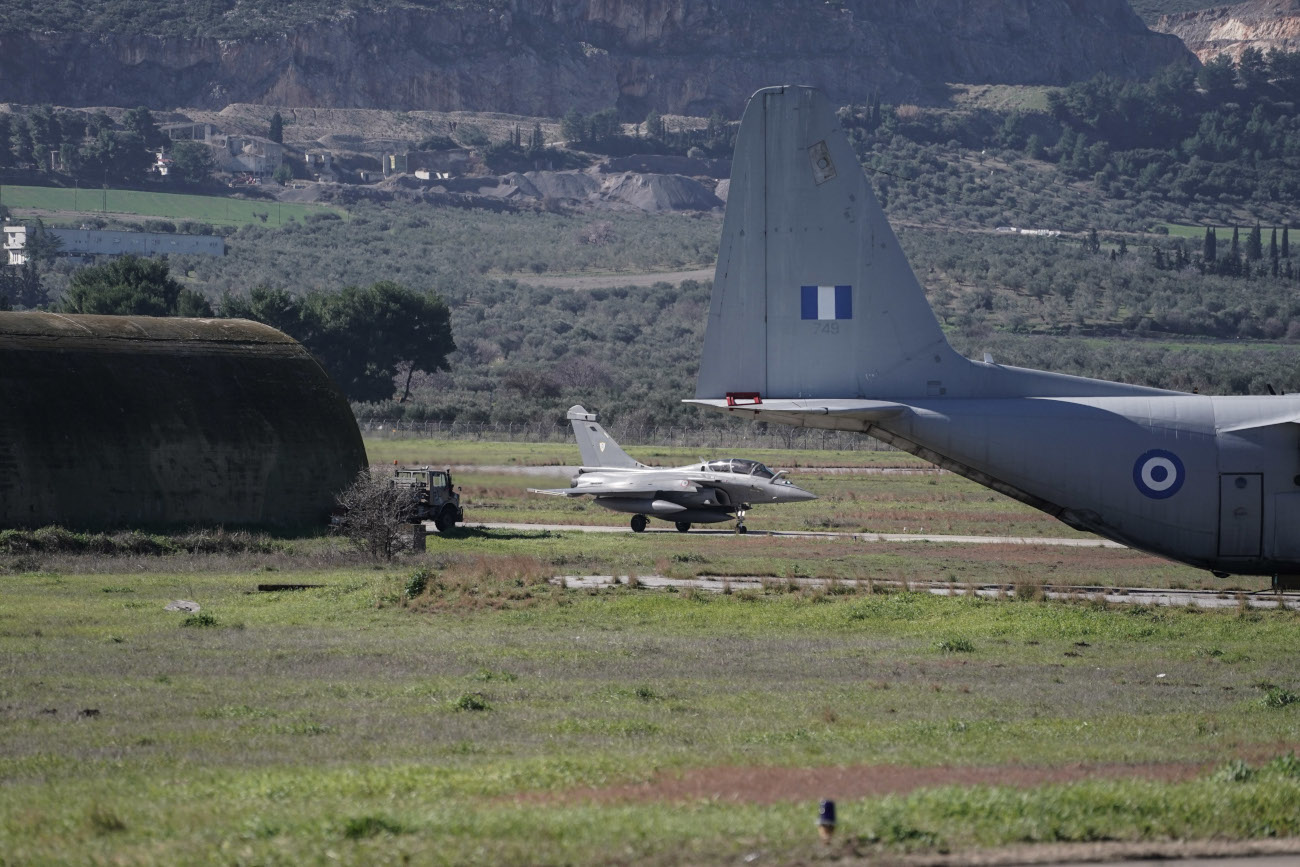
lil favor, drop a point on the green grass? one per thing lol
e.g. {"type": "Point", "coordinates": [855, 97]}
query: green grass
{"type": "Point", "coordinates": [217, 210]}
{"type": "Point", "coordinates": [343, 724]}
{"type": "Point", "coordinates": [449, 452]}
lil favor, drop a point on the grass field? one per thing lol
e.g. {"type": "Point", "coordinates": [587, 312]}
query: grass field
{"type": "Point", "coordinates": [218, 210]}
{"type": "Point", "coordinates": [456, 707]}
{"type": "Point", "coordinates": [449, 452]}
{"type": "Point", "coordinates": [493, 718]}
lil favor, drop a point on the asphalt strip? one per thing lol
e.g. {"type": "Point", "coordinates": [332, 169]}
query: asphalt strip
{"type": "Point", "coordinates": [1056, 541]}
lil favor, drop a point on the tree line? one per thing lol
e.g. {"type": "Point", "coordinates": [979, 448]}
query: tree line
{"type": "Point", "coordinates": [364, 337]}
{"type": "Point", "coordinates": [92, 148]}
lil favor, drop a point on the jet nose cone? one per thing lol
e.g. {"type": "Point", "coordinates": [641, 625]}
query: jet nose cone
{"type": "Point", "coordinates": [798, 495]}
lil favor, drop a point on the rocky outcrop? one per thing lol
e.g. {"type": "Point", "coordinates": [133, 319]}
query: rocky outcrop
{"type": "Point", "coordinates": [1269, 25]}
{"type": "Point", "coordinates": [542, 57]}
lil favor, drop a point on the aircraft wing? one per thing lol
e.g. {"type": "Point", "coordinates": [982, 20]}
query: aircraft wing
{"type": "Point", "coordinates": [624, 489]}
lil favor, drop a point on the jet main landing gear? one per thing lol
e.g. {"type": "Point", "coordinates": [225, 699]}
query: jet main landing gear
{"type": "Point", "coordinates": [683, 526]}
{"type": "Point", "coordinates": [638, 523]}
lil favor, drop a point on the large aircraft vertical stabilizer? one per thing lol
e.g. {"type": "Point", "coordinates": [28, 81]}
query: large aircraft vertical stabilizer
{"type": "Point", "coordinates": [818, 320]}
{"type": "Point", "coordinates": [812, 294]}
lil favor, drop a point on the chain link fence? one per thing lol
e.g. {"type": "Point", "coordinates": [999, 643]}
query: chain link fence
{"type": "Point", "coordinates": [738, 438]}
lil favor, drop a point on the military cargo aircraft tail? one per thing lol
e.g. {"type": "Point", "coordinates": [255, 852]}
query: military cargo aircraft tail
{"type": "Point", "coordinates": [813, 297]}
{"type": "Point", "coordinates": [817, 319]}
{"type": "Point", "coordinates": [597, 447]}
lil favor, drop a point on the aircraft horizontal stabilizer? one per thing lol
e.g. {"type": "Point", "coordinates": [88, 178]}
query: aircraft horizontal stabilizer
{"type": "Point", "coordinates": [1282, 416]}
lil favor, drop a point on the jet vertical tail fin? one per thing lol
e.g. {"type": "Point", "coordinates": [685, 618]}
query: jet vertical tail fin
{"type": "Point", "coordinates": [597, 447]}
{"type": "Point", "coordinates": [813, 296]}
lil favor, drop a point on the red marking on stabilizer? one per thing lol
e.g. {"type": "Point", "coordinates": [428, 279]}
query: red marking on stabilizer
{"type": "Point", "coordinates": [744, 398]}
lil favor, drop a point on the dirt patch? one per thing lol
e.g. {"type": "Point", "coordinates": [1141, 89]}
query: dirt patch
{"type": "Point", "coordinates": [768, 785]}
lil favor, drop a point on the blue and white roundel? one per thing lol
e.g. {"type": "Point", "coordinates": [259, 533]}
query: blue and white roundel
{"type": "Point", "coordinates": [1159, 474]}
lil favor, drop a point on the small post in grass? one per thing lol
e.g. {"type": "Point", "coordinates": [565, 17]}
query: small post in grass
{"type": "Point", "coordinates": [418, 532]}
{"type": "Point", "coordinates": [826, 821]}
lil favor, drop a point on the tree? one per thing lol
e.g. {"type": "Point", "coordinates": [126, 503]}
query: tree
{"type": "Point", "coordinates": [20, 141]}
{"type": "Point", "coordinates": [362, 337]}
{"type": "Point", "coordinates": [192, 305]}
{"type": "Point", "coordinates": [276, 133]}
{"type": "Point", "coordinates": [1218, 78]}
{"type": "Point", "coordinates": [282, 174]}
{"type": "Point", "coordinates": [46, 134]}
{"type": "Point", "coordinates": [1255, 244]}
{"type": "Point", "coordinates": [1252, 70]}
{"type": "Point", "coordinates": [41, 246]}
{"type": "Point", "coordinates": [573, 127]}
{"type": "Point", "coordinates": [273, 307]}
{"type": "Point", "coordinates": [654, 125]}
{"type": "Point", "coordinates": [605, 125]}
{"type": "Point", "coordinates": [116, 156]}
{"type": "Point", "coordinates": [6, 131]}
{"type": "Point", "coordinates": [192, 162]}
{"type": "Point", "coordinates": [1210, 250]}
{"type": "Point", "coordinates": [126, 286]}
{"type": "Point", "coordinates": [1286, 242]}
{"type": "Point", "coordinates": [140, 121]}
{"type": "Point", "coordinates": [20, 286]}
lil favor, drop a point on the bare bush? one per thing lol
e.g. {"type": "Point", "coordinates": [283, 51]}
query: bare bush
{"type": "Point", "coordinates": [374, 515]}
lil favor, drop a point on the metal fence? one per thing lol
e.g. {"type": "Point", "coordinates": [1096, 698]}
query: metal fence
{"type": "Point", "coordinates": [736, 438]}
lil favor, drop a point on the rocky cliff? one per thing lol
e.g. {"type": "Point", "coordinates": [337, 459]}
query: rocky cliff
{"type": "Point", "coordinates": [1269, 25]}
{"type": "Point", "coordinates": [542, 57]}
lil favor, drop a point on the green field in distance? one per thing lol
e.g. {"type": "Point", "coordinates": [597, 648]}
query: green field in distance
{"type": "Point", "coordinates": [218, 210]}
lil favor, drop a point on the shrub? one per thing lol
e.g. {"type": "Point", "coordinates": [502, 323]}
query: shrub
{"type": "Point", "coordinates": [1277, 697]}
{"type": "Point", "coordinates": [370, 826]}
{"type": "Point", "coordinates": [472, 701]}
{"type": "Point", "coordinates": [200, 620]}
{"type": "Point", "coordinates": [418, 582]}
{"type": "Point", "coordinates": [954, 645]}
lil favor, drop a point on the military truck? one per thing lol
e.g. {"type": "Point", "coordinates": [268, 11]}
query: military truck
{"type": "Point", "coordinates": [432, 496]}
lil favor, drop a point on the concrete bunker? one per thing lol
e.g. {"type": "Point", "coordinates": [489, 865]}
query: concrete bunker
{"type": "Point", "coordinates": [132, 421]}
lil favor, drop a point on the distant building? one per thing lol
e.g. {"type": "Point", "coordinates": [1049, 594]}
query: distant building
{"type": "Point", "coordinates": [236, 154]}
{"type": "Point", "coordinates": [109, 242]}
{"type": "Point", "coordinates": [443, 163]}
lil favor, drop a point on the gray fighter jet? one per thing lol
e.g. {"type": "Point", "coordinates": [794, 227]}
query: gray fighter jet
{"type": "Point", "coordinates": [704, 493]}
{"type": "Point", "coordinates": [818, 320]}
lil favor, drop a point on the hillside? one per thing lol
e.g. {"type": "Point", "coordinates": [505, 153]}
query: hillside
{"type": "Point", "coordinates": [1267, 25]}
{"type": "Point", "coordinates": [543, 57]}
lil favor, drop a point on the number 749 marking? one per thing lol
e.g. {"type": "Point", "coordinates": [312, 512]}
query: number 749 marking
{"type": "Point", "coordinates": [828, 328]}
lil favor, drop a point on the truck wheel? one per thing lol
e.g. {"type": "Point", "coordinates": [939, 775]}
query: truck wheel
{"type": "Point", "coordinates": [445, 521]}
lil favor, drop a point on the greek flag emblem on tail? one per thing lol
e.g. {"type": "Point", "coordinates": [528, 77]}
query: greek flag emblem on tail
{"type": "Point", "coordinates": [826, 302]}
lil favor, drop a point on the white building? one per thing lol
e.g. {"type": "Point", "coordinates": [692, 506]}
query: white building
{"type": "Point", "coordinates": [110, 242]}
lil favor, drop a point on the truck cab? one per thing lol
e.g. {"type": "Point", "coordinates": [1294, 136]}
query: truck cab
{"type": "Point", "coordinates": [433, 496]}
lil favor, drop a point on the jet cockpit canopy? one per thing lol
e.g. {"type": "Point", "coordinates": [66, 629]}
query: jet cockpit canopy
{"type": "Point", "coordinates": [740, 466]}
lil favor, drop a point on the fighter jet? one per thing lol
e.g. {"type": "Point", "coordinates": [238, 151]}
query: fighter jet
{"type": "Point", "coordinates": [817, 320]}
{"type": "Point", "coordinates": [705, 493]}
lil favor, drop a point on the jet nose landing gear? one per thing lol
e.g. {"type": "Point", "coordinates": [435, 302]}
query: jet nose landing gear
{"type": "Point", "coordinates": [740, 519]}
{"type": "Point", "coordinates": [638, 523]}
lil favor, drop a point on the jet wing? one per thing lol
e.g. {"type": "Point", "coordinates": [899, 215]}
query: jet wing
{"type": "Point", "coordinates": [624, 489]}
